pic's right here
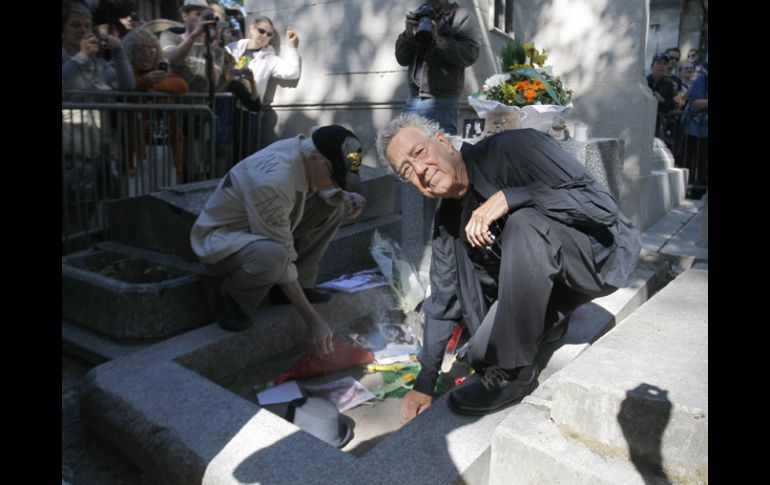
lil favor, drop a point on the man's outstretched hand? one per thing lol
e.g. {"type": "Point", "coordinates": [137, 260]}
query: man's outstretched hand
{"type": "Point", "coordinates": [414, 403]}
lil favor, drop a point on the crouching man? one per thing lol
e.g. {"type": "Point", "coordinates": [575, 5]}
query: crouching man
{"type": "Point", "coordinates": [270, 220]}
{"type": "Point", "coordinates": [520, 223]}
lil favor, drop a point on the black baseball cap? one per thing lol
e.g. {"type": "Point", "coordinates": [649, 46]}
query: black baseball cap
{"type": "Point", "coordinates": [343, 149]}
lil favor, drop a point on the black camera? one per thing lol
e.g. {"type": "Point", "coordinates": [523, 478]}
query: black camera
{"type": "Point", "coordinates": [102, 44]}
{"type": "Point", "coordinates": [424, 15]}
{"type": "Point", "coordinates": [163, 66]}
{"type": "Point", "coordinates": [219, 24]}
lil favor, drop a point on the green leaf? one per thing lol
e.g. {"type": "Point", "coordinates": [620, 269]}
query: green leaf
{"type": "Point", "coordinates": [532, 74]}
{"type": "Point", "coordinates": [512, 53]}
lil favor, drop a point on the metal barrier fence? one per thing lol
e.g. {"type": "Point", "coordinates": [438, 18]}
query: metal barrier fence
{"type": "Point", "coordinates": [678, 130]}
{"type": "Point", "coordinates": [118, 144]}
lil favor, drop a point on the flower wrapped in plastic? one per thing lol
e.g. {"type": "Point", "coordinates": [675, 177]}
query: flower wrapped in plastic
{"type": "Point", "coordinates": [526, 95]}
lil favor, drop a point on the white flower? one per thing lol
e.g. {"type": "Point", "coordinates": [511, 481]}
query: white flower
{"type": "Point", "coordinates": [495, 80]}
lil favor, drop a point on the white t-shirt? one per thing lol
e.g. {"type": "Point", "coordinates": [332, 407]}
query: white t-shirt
{"type": "Point", "coordinates": [265, 63]}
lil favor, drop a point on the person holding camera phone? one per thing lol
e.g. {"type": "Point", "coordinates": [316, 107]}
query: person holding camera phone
{"type": "Point", "coordinates": [258, 55]}
{"type": "Point", "coordinates": [186, 52]}
{"type": "Point", "coordinates": [440, 40]}
{"type": "Point", "coordinates": [152, 75]}
{"type": "Point", "coordinates": [82, 67]}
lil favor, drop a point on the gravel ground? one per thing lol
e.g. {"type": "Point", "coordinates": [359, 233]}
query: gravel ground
{"type": "Point", "coordinates": [86, 458]}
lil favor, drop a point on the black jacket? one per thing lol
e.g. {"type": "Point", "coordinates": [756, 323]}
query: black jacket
{"type": "Point", "coordinates": [531, 170]}
{"type": "Point", "coordinates": [455, 48]}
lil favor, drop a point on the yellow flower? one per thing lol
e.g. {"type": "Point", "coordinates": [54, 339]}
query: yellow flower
{"type": "Point", "coordinates": [539, 58]}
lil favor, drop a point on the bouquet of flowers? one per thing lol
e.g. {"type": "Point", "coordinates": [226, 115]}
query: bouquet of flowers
{"type": "Point", "coordinates": [527, 94]}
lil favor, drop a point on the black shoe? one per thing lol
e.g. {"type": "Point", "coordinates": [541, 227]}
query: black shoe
{"type": "Point", "coordinates": [233, 318]}
{"type": "Point", "coordinates": [494, 389]}
{"type": "Point", "coordinates": [277, 296]}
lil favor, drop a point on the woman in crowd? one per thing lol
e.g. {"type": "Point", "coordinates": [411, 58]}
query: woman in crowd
{"type": "Point", "coordinates": [82, 68]}
{"type": "Point", "coordinates": [151, 73]}
{"type": "Point", "coordinates": [259, 56]}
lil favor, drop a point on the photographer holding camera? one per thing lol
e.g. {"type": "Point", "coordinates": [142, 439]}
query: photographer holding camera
{"type": "Point", "coordinates": [440, 40]}
{"type": "Point", "coordinates": [187, 52]}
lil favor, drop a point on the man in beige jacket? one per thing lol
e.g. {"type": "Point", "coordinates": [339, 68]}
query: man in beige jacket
{"type": "Point", "coordinates": [270, 220]}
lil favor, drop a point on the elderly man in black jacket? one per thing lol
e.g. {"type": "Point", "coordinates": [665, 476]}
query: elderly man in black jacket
{"type": "Point", "coordinates": [523, 235]}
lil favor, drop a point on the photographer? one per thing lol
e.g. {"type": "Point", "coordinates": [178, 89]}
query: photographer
{"type": "Point", "coordinates": [440, 40]}
{"type": "Point", "coordinates": [187, 52]}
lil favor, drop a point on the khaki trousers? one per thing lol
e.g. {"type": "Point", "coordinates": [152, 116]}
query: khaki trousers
{"type": "Point", "coordinates": [251, 272]}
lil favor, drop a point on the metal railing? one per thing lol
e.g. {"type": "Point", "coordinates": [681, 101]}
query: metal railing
{"type": "Point", "coordinates": [119, 144]}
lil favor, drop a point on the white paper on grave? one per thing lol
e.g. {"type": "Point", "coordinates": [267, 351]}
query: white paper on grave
{"type": "Point", "coordinates": [284, 392]}
{"type": "Point", "coordinates": [363, 280]}
{"type": "Point", "coordinates": [345, 393]}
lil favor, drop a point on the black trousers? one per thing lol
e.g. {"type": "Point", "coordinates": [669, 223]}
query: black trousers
{"type": "Point", "coordinates": [547, 270]}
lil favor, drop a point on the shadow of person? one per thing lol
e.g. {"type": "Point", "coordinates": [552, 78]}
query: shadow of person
{"type": "Point", "coordinates": [643, 417]}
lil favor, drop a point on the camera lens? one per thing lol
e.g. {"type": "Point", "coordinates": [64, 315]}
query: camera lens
{"type": "Point", "coordinates": [424, 31]}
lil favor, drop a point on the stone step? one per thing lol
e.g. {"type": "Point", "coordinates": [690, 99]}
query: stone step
{"type": "Point", "coordinates": [640, 393]}
{"type": "Point", "coordinates": [661, 191]}
{"type": "Point", "coordinates": [161, 221]}
{"type": "Point", "coordinates": [104, 318]}
{"type": "Point", "coordinates": [166, 409]}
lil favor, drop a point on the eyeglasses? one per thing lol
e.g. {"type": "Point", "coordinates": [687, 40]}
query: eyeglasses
{"type": "Point", "coordinates": [693, 54]}
{"type": "Point", "coordinates": [146, 49]}
{"type": "Point", "coordinates": [673, 58]}
{"type": "Point", "coordinates": [265, 32]}
{"type": "Point", "coordinates": [406, 171]}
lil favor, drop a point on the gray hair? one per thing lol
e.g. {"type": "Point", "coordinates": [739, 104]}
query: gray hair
{"type": "Point", "coordinates": [429, 127]}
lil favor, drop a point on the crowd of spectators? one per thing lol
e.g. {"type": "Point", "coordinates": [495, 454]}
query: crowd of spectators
{"type": "Point", "coordinates": [106, 47]}
{"type": "Point", "coordinates": [680, 86]}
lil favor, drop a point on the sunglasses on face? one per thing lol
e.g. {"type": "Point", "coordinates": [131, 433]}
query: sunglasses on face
{"type": "Point", "coordinates": [265, 32]}
{"type": "Point", "coordinates": [673, 58]}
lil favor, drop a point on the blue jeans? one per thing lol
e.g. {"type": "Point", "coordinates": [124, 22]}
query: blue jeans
{"type": "Point", "coordinates": [443, 110]}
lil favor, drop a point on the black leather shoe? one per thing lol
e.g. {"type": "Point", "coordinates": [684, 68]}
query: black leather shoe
{"type": "Point", "coordinates": [494, 389]}
{"type": "Point", "coordinates": [233, 319]}
{"type": "Point", "coordinates": [277, 296]}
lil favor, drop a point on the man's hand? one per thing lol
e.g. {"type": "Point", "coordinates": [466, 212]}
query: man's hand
{"type": "Point", "coordinates": [414, 403]}
{"type": "Point", "coordinates": [154, 77]}
{"type": "Point", "coordinates": [320, 333]}
{"type": "Point", "coordinates": [354, 204]}
{"type": "Point", "coordinates": [321, 336]}
{"type": "Point", "coordinates": [658, 97]}
{"type": "Point", "coordinates": [410, 25]}
{"type": "Point", "coordinates": [113, 42]}
{"type": "Point", "coordinates": [89, 45]}
{"type": "Point", "coordinates": [493, 209]}
{"type": "Point", "coordinates": [202, 25]}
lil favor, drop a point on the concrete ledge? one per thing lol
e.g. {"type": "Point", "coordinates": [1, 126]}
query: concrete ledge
{"type": "Point", "coordinates": [528, 448]}
{"type": "Point", "coordinates": [130, 310]}
{"type": "Point", "coordinates": [639, 393]}
{"type": "Point", "coordinates": [163, 408]}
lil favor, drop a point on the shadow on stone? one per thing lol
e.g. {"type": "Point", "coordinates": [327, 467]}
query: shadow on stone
{"type": "Point", "coordinates": [643, 417]}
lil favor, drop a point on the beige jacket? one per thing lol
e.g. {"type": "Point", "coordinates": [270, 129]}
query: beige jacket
{"type": "Point", "coordinates": [262, 197]}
